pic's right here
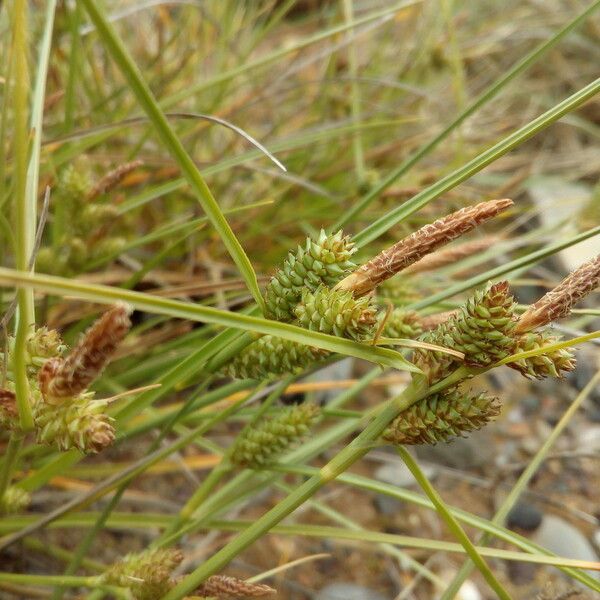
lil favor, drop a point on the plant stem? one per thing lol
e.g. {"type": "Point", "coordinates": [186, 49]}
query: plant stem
{"type": "Point", "coordinates": [51, 580]}
{"type": "Point", "coordinates": [452, 524]}
{"type": "Point", "coordinates": [24, 212]}
{"type": "Point", "coordinates": [10, 460]}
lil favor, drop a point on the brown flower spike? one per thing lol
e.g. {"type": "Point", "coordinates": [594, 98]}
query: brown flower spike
{"type": "Point", "coordinates": [420, 243]}
{"type": "Point", "coordinates": [113, 178]}
{"type": "Point", "coordinates": [557, 303]}
{"type": "Point", "coordinates": [449, 256]}
{"type": "Point", "coordinates": [222, 586]}
{"type": "Point", "coordinates": [64, 378]}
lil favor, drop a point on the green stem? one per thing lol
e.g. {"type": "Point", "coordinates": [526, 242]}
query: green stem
{"type": "Point", "coordinates": [9, 461]}
{"type": "Point", "coordinates": [157, 117]}
{"type": "Point", "coordinates": [24, 212]}
{"type": "Point", "coordinates": [359, 159]}
{"type": "Point", "coordinates": [452, 524]}
{"type": "Point", "coordinates": [522, 482]}
{"type": "Point", "coordinates": [51, 580]}
{"type": "Point", "coordinates": [341, 462]}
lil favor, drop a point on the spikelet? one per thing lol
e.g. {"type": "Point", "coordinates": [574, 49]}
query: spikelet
{"type": "Point", "coordinates": [79, 423]}
{"type": "Point", "coordinates": [223, 586]}
{"type": "Point", "coordinates": [261, 444]}
{"type": "Point", "coordinates": [429, 322]}
{"type": "Point", "coordinates": [441, 416]}
{"type": "Point", "coordinates": [452, 255]}
{"type": "Point", "coordinates": [45, 343]}
{"type": "Point", "coordinates": [147, 574]}
{"type": "Point", "coordinates": [270, 357]}
{"type": "Point", "coordinates": [336, 313]}
{"type": "Point", "coordinates": [75, 181]}
{"type": "Point", "coordinates": [64, 378]}
{"type": "Point", "coordinates": [113, 178]}
{"type": "Point", "coordinates": [423, 241]}
{"type": "Point", "coordinates": [482, 330]}
{"type": "Point", "coordinates": [551, 364]}
{"type": "Point", "coordinates": [557, 303]}
{"type": "Point", "coordinates": [402, 323]}
{"type": "Point", "coordinates": [14, 500]}
{"type": "Point", "coordinates": [321, 262]}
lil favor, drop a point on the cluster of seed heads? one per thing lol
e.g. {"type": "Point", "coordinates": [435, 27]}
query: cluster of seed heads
{"type": "Point", "coordinates": [65, 414]}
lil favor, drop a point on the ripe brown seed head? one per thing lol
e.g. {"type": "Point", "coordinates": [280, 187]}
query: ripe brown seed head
{"type": "Point", "coordinates": [63, 378]}
{"type": "Point", "coordinates": [420, 243]}
{"type": "Point", "coordinates": [557, 303]}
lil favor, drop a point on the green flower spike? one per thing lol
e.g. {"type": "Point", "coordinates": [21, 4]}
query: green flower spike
{"type": "Point", "coordinates": [402, 323]}
{"type": "Point", "coordinates": [482, 330]}
{"type": "Point", "coordinates": [77, 423]}
{"type": "Point", "coordinates": [441, 416]}
{"type": "Point", "coordinates": [338, 313]}
{"type": "Point", "coordinates": [147, 574]}
{"type": "Point", "coordinates": [325, 261]}
{"type": "Point", "coordinates": [552, 364]}
{"type": "Point", "coordinates": [264, 442]}
{"type": "Point", "coordinates": [270, 357]}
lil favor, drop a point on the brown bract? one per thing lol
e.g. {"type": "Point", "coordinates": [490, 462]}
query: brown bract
{"type": "Point", "coordinates": [557, 303]}
{"type": "Point", "coordinates": [420, 243]}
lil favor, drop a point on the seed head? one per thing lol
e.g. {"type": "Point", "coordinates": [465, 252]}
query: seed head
{"type": "Point", "coordinates": [442, 416]}
{"type": "Point", "coordinates": [223, 586]}
{"type": "Point", "coordinates": [113, 178]}
{"type": "Point", "coordinates": [558, 302]}
{"type": "Point", "coordinates": [259, 445]}
{"type": "Point", "coordinates": [65, 378]}
{"type": "Point", "coordinates": [422, 242]}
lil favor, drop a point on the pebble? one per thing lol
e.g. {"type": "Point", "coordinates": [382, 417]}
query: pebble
{"type": "Point", "coordinates": [559, 536]}
{"type": "Point", "coordinates": [348, 591]}
{"type": "Point", "coordinates": [524, 516]}
{"type": "Point", "coordinates": [588, 440]}
{"type": "Point", "coordinates": [397, 473]}
{"type": "Point", "coordinates": [461, 453]}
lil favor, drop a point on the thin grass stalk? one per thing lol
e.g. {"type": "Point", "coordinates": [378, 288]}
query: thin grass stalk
{"type": "Point", "coordinates": [25, 218]}
{"type": "Point", "coordinates": [342, 461]}
{"type": "Point", "coordinates": [468, 518]}
{"type": "Point", "coordinates": [523, 481]}
{"type": "Point", "coordinates": [452, 524]}
{"type": "Point", "coordinates": [482, 160]}
{"type": "Point", "coordinates": [489, 93]}
{"type": "Point", "coordinates": [357, 146]}
{"type": "Point", "coordinates": [149, 104]}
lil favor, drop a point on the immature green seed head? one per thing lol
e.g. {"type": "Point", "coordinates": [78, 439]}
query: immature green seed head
{"type": "Point", "coordinates": [147, 574]}
{"type": "Point", "coordinates": [321, 262]}
{"type": "Point", "coordinates": [401, 323]}
{"type": "Point", "coordinates": [267, 440]}
{"type": "Point", "coordinates": [483, 330]}
{"type": "Point", "coordinates": [440, 417]}
{"type": "Point", "coordinates": [76, 423]}
{"type": "Point", "coordinates": [554, 363]}
{"type": "Point", "coordinates": [337, 312]}
{"type": "Point", "coordinates": [270, 357]}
